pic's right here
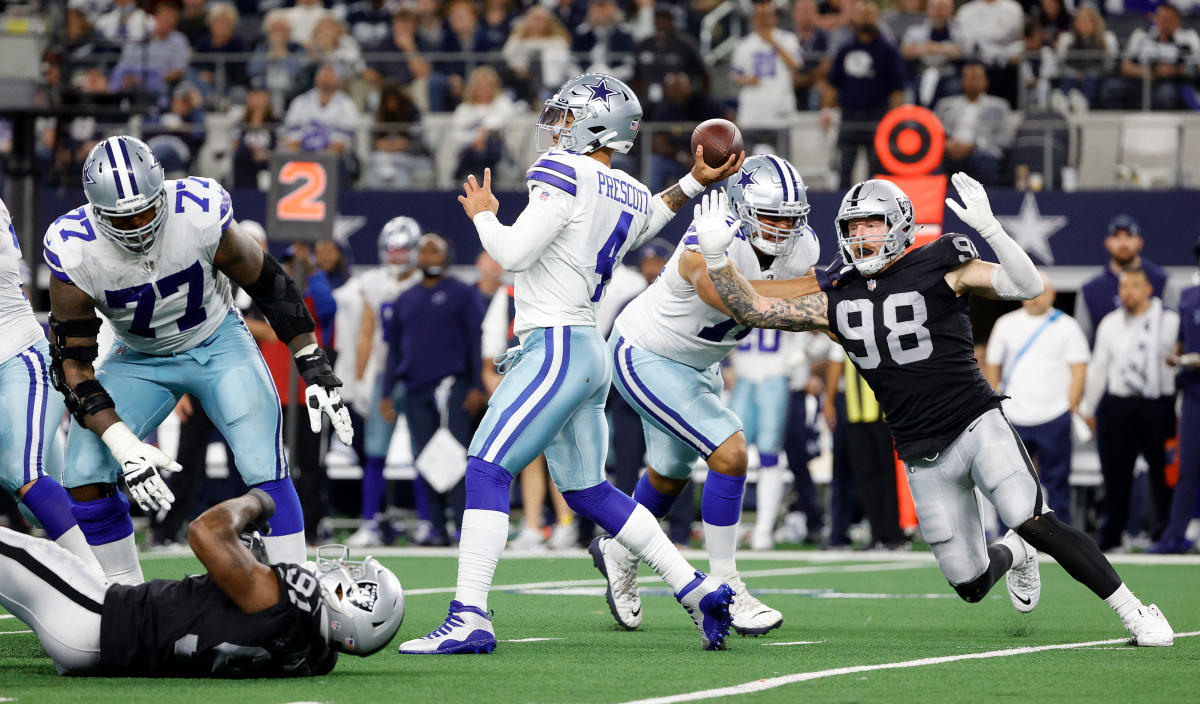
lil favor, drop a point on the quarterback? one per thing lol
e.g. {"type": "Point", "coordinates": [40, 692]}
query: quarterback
{"type": "Point", "coordinates": [156, 257]}
{"type": "Point", "coordinates": [581, 219]}
{"type": "Point", "coordinates": [902, 317]}
{"type": "Point", "coordinates": [667, 347]}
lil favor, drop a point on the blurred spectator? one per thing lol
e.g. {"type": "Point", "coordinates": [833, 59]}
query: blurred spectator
{"type": "Point", "coordinates": [1037, 357]}
{"type": "Point", "coordinates": [993, 31]}
{"type": "Point", "coordinates": [331, 44]}
{"type": "Point", "coordinates": [570, 13]}
{"type": "Point", "coordinates": [92, 9]}
{"type": "Point", "coordinates": [538, 52]}
{"type": "Point", "coordinates": [606, 41]}
{"type": "Point", "coordinates": [1035, 64]}
{"type": "Point", "coordinates": [1087, 54]}
{"type": "Point", "coordinates": [158, 61]}
{"type": "Point", "coordinates": [478, 122]}
{"type": "Point", "coordinates": [764, 66]}
{"type": "Point", "coordinates": [331, 264]}
{"type": "Point", "coordinates": [1186, 357]}
{"type": "Point", "coordinates": [668, 51]}
{"type": "Point", "coordinates": [303, 18]}
{"type": "Point", "coordinates": [125, 22]}
{"type": "Point", "coordinates": [931, 49]}
{"type": "Point", "coordinates": [1164, 57]}
{"type": "Point", "coordinates": [1098, 296]}
{"type": "Point", "coordinates": [80, 46]}
{"type": "Point", "coordinates": [865, 80]}
{"type": "Point", "coordinates": [176, 134]}
{"type": "Point", "coordinates": [220, 39]}
{"type": "Point", "coordinates": [465, 36]}
{"type": "Point", "coordinates": [370, 21]}
{"type": "Point", "coordinates": [255, 138]}
{"type": "Point", "coordinates": [1130, 401]}
{"type": "Point", "coordinates": [324, 119]}
{"type": "Point", "coordinates": [399, 157]}
{"type": "Point", "coordinates": [434, 337]}
{"type": "Point", "coordinates": [901, 17]}
{"type": "Point", "coordinates": [408, 66]}
{"type": "Point", "coordinates": [278, 61]}
{"type": "Point", "coordinates": [672, 146]}
{"type": "Point", "coordinates": [814, 49]}
{"type": "Point", "coordinates": [431, 26]}
{"type": "Point", "coordinates": [977, 128]}
{"type": "Point", "coordinates": [193, 20]}
{"type": "Point", "coordinates": [834, 18]}
{"type": "Point", "coordinates": [1053, 18]}
{"type": "Point", "coordinates": [497, 21]}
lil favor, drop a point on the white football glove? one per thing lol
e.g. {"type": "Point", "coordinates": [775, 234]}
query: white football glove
{"type": "Point", "coordinates": [975, 211]}
{"type": "Point", "coordinates": [327, 400]}
{"type": "Point", "coordinates": [142, 465]}
{"type": "Point", "coordinates": [713, 232]}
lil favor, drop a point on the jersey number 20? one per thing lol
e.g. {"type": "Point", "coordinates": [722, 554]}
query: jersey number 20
{"type": "Point", "coordinates": [907, 340]}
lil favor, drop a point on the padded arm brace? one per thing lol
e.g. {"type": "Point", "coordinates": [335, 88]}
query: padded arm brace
{"type": "Point", "coordinates": [277, 296]}
{"type": "Point", "coordinates": [1016, 278]}
{"type": "Point", "coordinates": [88, 396]}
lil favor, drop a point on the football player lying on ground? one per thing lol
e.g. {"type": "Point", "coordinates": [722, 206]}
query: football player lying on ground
{"type": "Point", "coordinates": [242, 619]}
{"type": "Point", "coordinates": [903, 318]}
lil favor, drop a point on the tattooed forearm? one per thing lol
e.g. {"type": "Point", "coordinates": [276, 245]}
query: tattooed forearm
{"type": "Point", "coordinates": [749, 308]}
{"type": "Point", "coordinates": [674, 198]}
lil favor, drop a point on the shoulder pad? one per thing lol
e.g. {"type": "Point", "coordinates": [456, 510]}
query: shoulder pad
{"type": "Point", "coordinates": [64, 242]}
{"type": "Point", "coordinates": [953, 249]}
{"type": "Point", "coordinates": [201, 199]}
{"type": "Point", "coordinates": [555, 170]}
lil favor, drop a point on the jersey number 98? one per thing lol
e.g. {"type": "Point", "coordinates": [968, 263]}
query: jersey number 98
{"type": "Point", "coordinates": [907, 340]}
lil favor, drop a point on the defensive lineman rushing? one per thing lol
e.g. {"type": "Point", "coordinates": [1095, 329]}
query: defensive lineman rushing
{"type": "Point", "coordinates": [902, 318]}
{"type": "Point", "coordinates": [155, 258]}
{"type": "Point", "coordinates": [581, 219]}
{"type": "Point", "coordinates": [667, 346]}
{"type": "Point", "coordinates": [241, 619]}
{"type": "Point", "coordinates": [30, 454]}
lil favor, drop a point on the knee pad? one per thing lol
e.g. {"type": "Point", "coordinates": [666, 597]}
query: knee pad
{"type": "Point", "coordinates": [973, 592]}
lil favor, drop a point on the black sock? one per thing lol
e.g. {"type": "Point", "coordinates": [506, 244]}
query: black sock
{"type": "Point", "coordinates": [1076, 552]}
{"type": "Point", "coordinates": [1000, 559]}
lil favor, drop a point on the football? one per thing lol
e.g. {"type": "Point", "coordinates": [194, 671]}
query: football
{"type": "Point", "coordinates": [720, 138]}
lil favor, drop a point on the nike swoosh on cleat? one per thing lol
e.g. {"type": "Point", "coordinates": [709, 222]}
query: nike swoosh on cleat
{"type": "Point", "coordinates": [1019, 598]}
{"type": "Point", "coordinates": [636, 613]}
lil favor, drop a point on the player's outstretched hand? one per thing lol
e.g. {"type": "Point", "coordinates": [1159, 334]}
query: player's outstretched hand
{"type": "Point", "coordinates": [713, 230]}
{"type": "Point", "coordinates": [975, 211]}
{"type": "Point", "coordinates": [476, 199]}
{"type": "Point", "coordinates": [321, 393]}
{"type": "Point", "coordinates": [141, 465]}
{"type": "Point", "coordinates": [706, 174]}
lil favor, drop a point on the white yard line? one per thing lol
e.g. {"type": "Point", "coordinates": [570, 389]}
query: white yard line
{"type": "Point", "coordinates": [773, 682]}
{"type": "Point", "coordinates": [9, 633]}
{"type": "Point", "coordinates": [797, 642]}
{"type": "Point", "coordinates": [528, 640]}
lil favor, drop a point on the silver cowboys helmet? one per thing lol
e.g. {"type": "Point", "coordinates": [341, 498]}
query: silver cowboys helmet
{"type": "Point", "coordinates": [398, 244]}
{"type": "Point", "coordinates": [604, 112]}
{"type": "Point", "coordinates": [875, 198]}
{"type": "Point", "coordinates": [769, 185]}
{"type": "Point", "coordinates": [123, 178]}
{"type": "Point", "coordinates": [364, 602]}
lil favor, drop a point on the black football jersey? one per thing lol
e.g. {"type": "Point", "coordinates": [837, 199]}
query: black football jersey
{"type": "Point", "coordinates": [909, 334]}
{"type": "Point", "coordinates": [190, 628]}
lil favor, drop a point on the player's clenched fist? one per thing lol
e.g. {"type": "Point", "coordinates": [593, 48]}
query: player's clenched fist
{"type": "Point", "coordinates": [713, 229]}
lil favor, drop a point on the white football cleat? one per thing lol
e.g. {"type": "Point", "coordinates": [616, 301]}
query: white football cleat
{"type": "Point", "coordinates": [528, 539]}
{"type": "Point", "coordinates": [467, 629]}
{"type": "Point", "coordinates": [564, 537]}
{"type": "Point", "coordinates": [367, 536]}
{"type": "Point", "coordinates": [751, 617]}
{"type": "Point", "coordinates": [707, 601]}
{"type": "Point", "coordinates": [1150, 628]}
{"type": "Point", "coordinates": [619, 567]}
{"type": "Point", "coordinates": [1023, 578]}
{"type": "Point", "coordinates": [762, 539]}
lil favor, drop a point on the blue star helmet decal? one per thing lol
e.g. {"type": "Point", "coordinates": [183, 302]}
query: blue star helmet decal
{"type": "Point", "coordinates": [747, 178]}
{"type": "Point", "coordinates": [601, 92]}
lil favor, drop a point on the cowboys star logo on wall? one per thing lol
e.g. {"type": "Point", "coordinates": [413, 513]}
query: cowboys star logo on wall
{"type": "Point", "coordinates": [1032, 230]}
{"type": "Point", "coordinates": [601, 92]}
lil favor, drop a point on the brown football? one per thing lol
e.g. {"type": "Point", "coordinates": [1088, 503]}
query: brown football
{"type": "Point", "coordinates": [720, 138]}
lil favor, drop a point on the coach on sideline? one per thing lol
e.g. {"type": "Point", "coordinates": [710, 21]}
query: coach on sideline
{"type": "Point", "coordinates": [1037, 356]}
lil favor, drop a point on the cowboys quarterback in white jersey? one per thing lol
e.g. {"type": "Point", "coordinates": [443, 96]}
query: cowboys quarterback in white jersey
{"type": "Point", "coordinates": [581, 219]}
{"type": "Point", "coordinates": [156, 257]}
{"type": "Point", "coordinates": [667, 347]}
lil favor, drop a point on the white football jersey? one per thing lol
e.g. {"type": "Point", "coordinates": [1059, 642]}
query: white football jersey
{"type": "Point", "coordinates": [18, 328]}
{"type": "Point", "coordinates": [764, 354]}
{"type": "Point", "coordinates": [608, 213]}
{"type": "Point", "coordinates": [167, 300]}
{"type": "Point", "coordinates": [380, 289]}
{"type": "Point", "coordinates": [670, 320]}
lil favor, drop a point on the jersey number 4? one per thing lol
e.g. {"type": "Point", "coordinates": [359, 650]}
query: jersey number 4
{"type": "Point", "coordinates": [142, 297]}
{"type": "Point", "coordinates": [907, 340]}
{"type": "Point", "coordinates": [607, 258]}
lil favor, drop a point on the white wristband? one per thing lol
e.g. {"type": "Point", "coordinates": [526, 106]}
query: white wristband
{"type": "Point", "coordinates": [715, 261]}
{"type": "Point", "coordinates": [120, 440]}
{"type": "Point", "coordinates": [991, 229]}
{"type": "Point", "coordinates": [690, 186]}
{"type": "Point", "coordinates": [307, 349]}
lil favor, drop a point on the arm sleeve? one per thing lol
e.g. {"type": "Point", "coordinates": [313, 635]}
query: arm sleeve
{"type": "Point", "coordinates": [518, 246]}
{"type": "Point", "coordinates": [1016, 278]}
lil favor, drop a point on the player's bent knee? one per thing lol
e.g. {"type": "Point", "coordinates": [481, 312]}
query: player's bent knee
{"type": "Point", "coordinates": [731, 457]}
{"type": "Point", "coordinates": [92, 492]}
{"type": "Point", "coordinates": [973, 592]}
{"type": "Point", "coordinates": [668, 485]}
{"type": "Point", "coordinates": [1038, 530]}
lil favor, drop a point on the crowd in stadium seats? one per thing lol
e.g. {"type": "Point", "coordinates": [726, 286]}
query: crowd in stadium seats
{"type": "Point", "coordinates": [341, 75]}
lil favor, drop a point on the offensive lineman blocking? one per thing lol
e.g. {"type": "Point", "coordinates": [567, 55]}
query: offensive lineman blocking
{"type": "Point", "coordinates": [581, 219]}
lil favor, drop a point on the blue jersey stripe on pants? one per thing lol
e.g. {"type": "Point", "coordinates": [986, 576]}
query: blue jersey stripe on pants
{"type": "Point", "coordinates": [647, 401]}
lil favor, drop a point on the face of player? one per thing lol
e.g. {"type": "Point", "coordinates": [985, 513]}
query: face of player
{"type": "Point", "coordinates": [1123, 246]}
{"type": "Point", "coordinates": [778, 227]}
{"type": "Point", "coordinates": [133, 222]}
{"type": "Point", "coordinates": [1134, 289]}
{"type": "Point", "coordinates": [869, 233]}
{"type": "Point", "coordinates": [399, 259]}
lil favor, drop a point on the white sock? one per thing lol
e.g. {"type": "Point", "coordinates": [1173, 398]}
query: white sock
{"type": "Point", "coordinates": [119, 560]}
{"type": "Point", "coordinates": [721, 542]}
{"type": "Point", "coordinates": [1016, 546]}
{"type": "Point", "coordinates": [1123, 602]}
{"type": "Point", "coordinates": [768, 495]}
{"type": "Point", "coordinates": [289, 548]}
{"type": "Point", "coordinates": [644, 537]}
{"type": "Point", "coordinates": [74, 541]}
{"type": "Point", "coordinates": [483, 536]}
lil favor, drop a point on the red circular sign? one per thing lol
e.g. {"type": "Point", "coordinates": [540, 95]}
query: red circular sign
{"type": "Point", "coordinates": [910, 141]}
